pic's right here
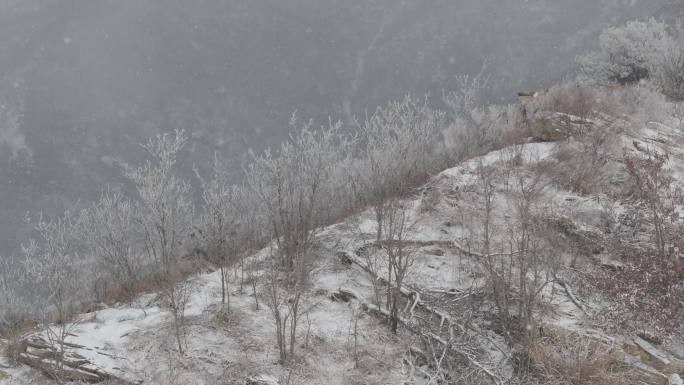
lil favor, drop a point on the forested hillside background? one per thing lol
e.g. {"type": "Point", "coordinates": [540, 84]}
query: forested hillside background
{"type": "Point", "coordinates": [82, 83]}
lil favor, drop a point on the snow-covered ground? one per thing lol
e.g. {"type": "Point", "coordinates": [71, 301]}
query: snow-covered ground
{"type": "Point", "coordinates": [136, 341]}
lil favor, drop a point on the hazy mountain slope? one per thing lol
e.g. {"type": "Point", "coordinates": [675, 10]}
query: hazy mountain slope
{"type": "Point", "coordinates": [83, 82]}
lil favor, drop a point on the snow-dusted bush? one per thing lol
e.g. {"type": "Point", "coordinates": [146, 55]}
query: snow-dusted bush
{"type": "Point", "coordinates": [516, 255]}
{"type": "Point", "coordinates": [219, 234]}
{"type": "Point", "coordinates": [14, 306]}
{"type": "Point", "coordinates": [56, 271]}
{"type": "Point", "coordinates": [400, 256]}
{"type": "Point", "coordinates": [628, 53]}
{"type": "Point", "coordinates": [644, 103]}
{"type": "Point", "coordinates": [166, 213]}
{"type": "Point", "coordinates": [654, 188]}
{"type": "Point", "coordinates": [670, 75]}
{"type": "Point", "coordinates": [648, 289]}
{"type": "Point", "coordinates": [582, 100]}
{"type": "Point", "coordinates": [292, 187]}
{"type": "Point", "coordinates": [57, 277]}
{"type": "Point", "coordinates": [473, 126]}
{"type": "Point", "coordinates": [165, 207]}
{"type": "Point", "coordinates": [112, 232]}
{"type": "Point", "coordinates": [639, 51]}
{"type": "Point", "coordinates": [678, 114]}
{"type": "Point", "coordinates": [400, 149]}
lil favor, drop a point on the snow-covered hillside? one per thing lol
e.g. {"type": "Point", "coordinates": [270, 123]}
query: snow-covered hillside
{"type": "Point", "coordinates": [344, 338]}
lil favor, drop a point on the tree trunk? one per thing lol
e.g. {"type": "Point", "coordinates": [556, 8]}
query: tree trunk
{"type": "Point", "coordinates": [223, 285]}
{"type": "Point", "coordinates": [378, 218]}
{"type": "Point", "coordinates": [176, 324]}
{"type": "Point", "coordinates": [394, 315]}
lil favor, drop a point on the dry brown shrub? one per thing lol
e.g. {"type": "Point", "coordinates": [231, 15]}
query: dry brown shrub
{"type": "Point", "coordinates": [571, 360]}
{"type": "Point", "coordinates": [431, 197]}
{"type": "Point", "coordinates": [14, 339]}
{"type": "Point", "coordinates": [583, 100]}
{"type": "Point", "coordinates": [585, 164]}
{"type": "Point", "coordinates": [520, 133]}
{"type": "Point", "coordinates": [647, 295]}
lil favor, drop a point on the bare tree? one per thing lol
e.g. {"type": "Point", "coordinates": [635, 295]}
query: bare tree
{"type": "Point", "coordinates": [517, 261]}
{"type": "Point", "coordinates": [219, 223]}
{"type": "Point", "coordinates": [284, 294]}
{"type": "Point", "coordinates": [473, 127]}
{"type": "Point", "coordinates": [534, 263]}
{"type": "Point", "coordinates": [56, 275]}
{"type": "Point", "coordinates": [653, 186]}
{"type": "Point", "coordinates": [671, 73]}
{"type": "Point", "coordinates": [13, 306]}
{"type": "Point", "coordinates": [165, 213]}
{"type": "Point", "coordinates": [399, 141]}
{"type": "Point", "coordinates": [291, 187]}
{"type": "Point", "coordinates": [678, 113]}
{"type": "Point", "coordinates": [177, 296]}
{"type": "Point", "coordinates": [400, 255]}
{"type": "Point", "coordinates": [165, 204]}
{"type": "Point", "coordinates": [111, 234]}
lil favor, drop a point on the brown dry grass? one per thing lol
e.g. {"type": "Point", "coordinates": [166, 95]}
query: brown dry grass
{"type": "Point", "coordinates": [571, 360]}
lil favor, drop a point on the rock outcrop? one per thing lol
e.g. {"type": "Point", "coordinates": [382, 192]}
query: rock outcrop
{"type": "Point", "coordinates": [63, 362]}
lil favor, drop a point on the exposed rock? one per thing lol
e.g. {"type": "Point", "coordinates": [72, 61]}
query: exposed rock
{"type": "Point", "coordinates": [655, 354]}
{"type": "Point", "coordinates": [262, 379]}
{"type": "Point", "coordinates": [676, 349]}
{"type": "Point", "coordinates": [555, 126]}
{"type": "Point", "coordinates": [344, 258]}
{"type": "Point", "coordinates": [649, 375]}
{"type": "Point", "coordinates": [4, 360]}
{"type": "Point", "coordinates": [437, 252]}
{"type": "Point", "coordinates": [63, 366]}
{"type": "Point", "coordinates": [675, 380]}
{"type": "Point", "coordinates": [340, 296]}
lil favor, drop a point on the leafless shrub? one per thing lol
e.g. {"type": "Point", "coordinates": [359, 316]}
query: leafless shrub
{"type": "Point", "coordinates": [678, 114]}
{"type": "Point", "coordinates": [647, 295]}
{"type": "Point", "coordinates": [570, 360]}
{"type": "Point", "coordinates": [166, 207]}
{"type": "Point", "coordinates": [647, 290]}
{"type": "Point", "coordinates": [583, 101]}
{"type": "Point", "coordinates": [111, 233]}
{"type": "Point", "coordinates": [219, 232]}
{"type": "Point", "coordinates": [291, 189]}
{"type": "Point", "coordinates": [399, 145]}
{"type": "Point", "coordinates": [654, 187]}
{"type": "Point", "coordinates": [400, 255]}
{"type": "Point", "coordinates": [671, 73]}
{"type": "Point", "coordinates": [515, 257]}
{"type": "Point", "coordinates": [176, 296]}
{"type": "Point", "coordinates": [583, 162]}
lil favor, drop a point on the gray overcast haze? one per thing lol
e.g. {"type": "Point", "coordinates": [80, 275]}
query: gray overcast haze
{"type": "Point", "coordinates": [82, 82]}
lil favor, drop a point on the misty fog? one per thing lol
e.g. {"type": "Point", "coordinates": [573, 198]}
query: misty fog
{"type": "Point", "coordinates": [83, 82]}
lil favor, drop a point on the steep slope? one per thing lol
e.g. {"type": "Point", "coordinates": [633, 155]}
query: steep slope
{"type": "Point", "coordinates": [446, 295]}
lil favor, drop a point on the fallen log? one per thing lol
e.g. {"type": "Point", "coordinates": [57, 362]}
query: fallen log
{"type": "Point", "coordinates": [373, 309]}
{"type": "Point", "coordinates": [62, 363]}
{"type": "Point", "coordinates": [571, 295]}
{"type": "Point", "coordinates": [54, 370]}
